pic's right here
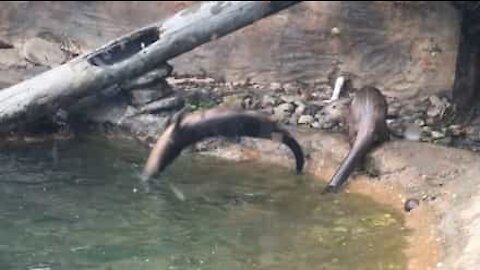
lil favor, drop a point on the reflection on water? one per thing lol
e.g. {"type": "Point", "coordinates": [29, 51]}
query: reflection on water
{"type": "Point", "coordinates": [79, 207]}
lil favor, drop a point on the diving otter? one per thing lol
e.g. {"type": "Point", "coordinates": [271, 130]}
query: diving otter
{"type": "Point", "coordinates": [366, 127]}
{"type": "Point", "coordinates": [185, 131]}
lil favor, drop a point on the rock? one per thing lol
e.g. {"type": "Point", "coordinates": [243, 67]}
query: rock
{"type": "Point", "coordinates": [412, 132]}
{"type": "Point", "coordinates": [324, 89]}
{"type": "Point", "coordinates": [194, 81]}
{"type": "Point", "coordinates": [306, 120]}
{"type": "Point", "coordinates": [290, 98]}
{"type": "Point", "coordinates": [10, 58]}
{"type": "Point", "coordinates": [275, 86]}
{"type": "Point", "coordinates": [293, 120]}
{"type": "Point", "coordinates": [335, 31]}
{"type": "Point", "coordinates": [434, 112]}
{"type": "Point", "coordinates": [473, 133]}
{"type": "Point", "coordinates": [106, 111]}
{"type": "Point", "coordinates": [437, 134]}
{"type": "Point", "coordinates": [393, 108]}
{"type": "Point", "coordinates": [153, 78]}
{"type": "Point", "coordinates": [4, 84]}
{"type": "Point", "coordinates": [250, 103]}
{"type": "Point", "coordinates": [311, 109]}
{"type": "Point", "coordinates": [316, 124]}
{"type": "Point", "coordinates": [232, 102]}
{"type": "Point", "coordinates": [411, 204]}
{"type": "Point", "coordinates": [444, 141]}
{"type": "Point", "coordinates": [42, 52]}
{"type": "Point", "coordinates": [300, 110]}
{"type": "Point", "coordinates": [395, 127]}
{"type": "Point", "coordinates": [299, 102]}
{"type": "Point", "coordinates": [268, 110]}
{"type": "Point", "coordinates": [283, 111]}
{"type": "Point", "coordinates": [286, 107]}
{"type": "Point", "coordinates": [427, 129]}
{"type": "Point", "coordinates": [144, 96]}
{"type": "Point", "coordinates": [166, 104]}
{"type": "Point", "coordinates": [268, 101]}
{"type": "Point", "coordinates": [100, 103]}
{"type": "Point", "coordinates": [437, 107]}
{"type": "Point", "coordinates": [5, 45]}
{"type": "Point", "coordinates": [257, 86]}
{"type": "Point", "coordinates": [435, 101]}
{"type": "Point", "coordinates": [419, 122]}
{"type": "Point", "coordinates": [430, 121]}
{"type": "Point", "coordinates": [290, 88]}
{"type": "Point", "coordinates": [145, 125]}
{"type": "Point", "coordinates": [238, 84]}
{"type": "Point", "coordinates": [323, 123]}
{"type": "Point", "coordinates": [131, 111]}
{"type": "Point", "coordinates": [456, 130]}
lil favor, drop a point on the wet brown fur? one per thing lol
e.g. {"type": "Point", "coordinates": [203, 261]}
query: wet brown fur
{"type": "Point", "coordinates": [367, 127]}
{"type": "Point", "coordinates": [195, 127]}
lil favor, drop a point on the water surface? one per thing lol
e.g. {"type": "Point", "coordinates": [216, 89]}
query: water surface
{"type": "Point", "coordinates": [78, 205]}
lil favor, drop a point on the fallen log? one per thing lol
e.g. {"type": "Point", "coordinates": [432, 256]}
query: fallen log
{"type": "Point", "coordinates": [127, 58]}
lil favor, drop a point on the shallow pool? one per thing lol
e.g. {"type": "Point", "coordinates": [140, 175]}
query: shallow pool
{"type": "Point", "coordinates": [78, 205]}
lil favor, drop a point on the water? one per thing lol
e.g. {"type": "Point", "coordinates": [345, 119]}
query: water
{"type": "Point", "coordinates": [78, 206]}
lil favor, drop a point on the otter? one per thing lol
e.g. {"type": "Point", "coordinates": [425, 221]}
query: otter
{"type": "Point", "coordinates": [367, 127]}
{"type": "Point", "coordinates": [187, 130]}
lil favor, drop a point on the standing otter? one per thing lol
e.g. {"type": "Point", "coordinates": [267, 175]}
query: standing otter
{"type": "Point", "coordinates": [185, 131]}
{"type": "Point", "coordinates": [366, 127]}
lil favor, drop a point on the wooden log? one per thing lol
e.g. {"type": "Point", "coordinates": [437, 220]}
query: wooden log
{"type": "Point", "coordinates": [128, 57]}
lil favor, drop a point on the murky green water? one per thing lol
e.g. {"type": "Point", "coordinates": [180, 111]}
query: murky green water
{"type": "Point", "coordinates": [80, 211]}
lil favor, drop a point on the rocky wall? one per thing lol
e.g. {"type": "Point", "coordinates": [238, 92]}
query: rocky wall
{"type": "Point", "coordinates": [405, 48]}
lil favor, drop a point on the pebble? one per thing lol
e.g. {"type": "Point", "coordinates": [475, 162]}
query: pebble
{"type": "Point", "coordinates": [285, 107]}
{"type": "Point", "coordinates": [316, 124]}
{"type": "Point", "coordinates": [456, 130]}
{"type": "Point", "coordinates": [305, 120]}
{"type": "Point", "coordinates": [335, 31]}
{"type": "Point", "coordinates": [437, 134]}
{"type": "Point", "coordinates": [300, 110]}
{"type": "Point", "coordinates": [411, 204]}
{"type": "Point", "coordinates": [268, 101]}
{"type": "Point", "coordinates": [283, 111]}
{"type": "Point", "coordinates": [290, 99]}
{"type": "Point", "coordinates": [42, 52]}
{"type": "Point", "coordinates": [412, 133]}
{"type": "Point", "coordinates": [290, 88]}
{"type": "Point", "coordinates": [275, 86]}
{"type": "Point", "coordinates": [419, 122]}
{"type": "Point", "coordinates": [5, 45]}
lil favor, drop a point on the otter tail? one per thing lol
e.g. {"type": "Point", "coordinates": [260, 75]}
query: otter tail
{"type": "Point", "coordinates": [297, 150]}
{"type": "Point", "coordinates": [362, 143]}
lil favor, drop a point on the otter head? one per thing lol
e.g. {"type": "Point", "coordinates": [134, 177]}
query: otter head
{"type": "Point", "coordinates": [335, 112]}
{"type": "Point", "coordinates": [165, 150]}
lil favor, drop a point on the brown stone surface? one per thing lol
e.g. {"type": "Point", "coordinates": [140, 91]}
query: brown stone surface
{"type": "Point", "coordinates": [403, 47]}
